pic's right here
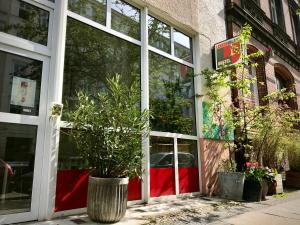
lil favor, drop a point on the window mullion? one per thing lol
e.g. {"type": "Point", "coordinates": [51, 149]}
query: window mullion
{"type": "Point", "coordinates": [176, 166]}
{"type": "Point", "coordinates": [172, 42]}
{"type": "Point", "coordinates": [108, 13]}
{"type": "Point", "coordinates": [145, 101]}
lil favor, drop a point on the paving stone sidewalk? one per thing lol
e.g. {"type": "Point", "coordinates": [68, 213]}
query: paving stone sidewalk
{"type": "Point", "coordinates": [197, 210]}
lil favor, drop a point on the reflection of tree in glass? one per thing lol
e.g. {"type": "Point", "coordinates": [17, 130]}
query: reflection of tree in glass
{"type": "Point", "coordinates": [91, 9]}
{"type": "Point", "coordinates": [159, 34]}
{"type": "Point", "coordinates": [171, 96]}
{"type": "Point", "coordinates": [92, 56]}
{"type": "Point", "coordinates": [125, 18]}
{"type": "Point", "coordinates": [30, 23]}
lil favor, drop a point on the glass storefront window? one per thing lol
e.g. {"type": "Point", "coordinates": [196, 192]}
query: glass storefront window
{"type": "Point", "coordinates": [68, 157]}
{"type": "Point", "coordinates": [92, 9]}
{"type": "Point", "coordinates": [125, 18]}
{"type": "Point", "coordinates": [17, 154]}
{"type": "Point", "coordinates": [162, 171]}
{"type": "Point", "coordinates": [188, 170]}
{"type": "Point", "coordinates": [24, 20]}
{"type": "Point", "coordinates": [171, 96]}
{"type": "Point", "coordinates": [92, 56]}
{"type": "Point", "coordinates": [20, 84]}
{"type": "Point", "coordinates": [183, 46]}
{"type": "Point", "coordinates": [159, 34]}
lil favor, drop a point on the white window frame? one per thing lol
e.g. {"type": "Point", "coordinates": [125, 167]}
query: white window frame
{"type": "Point", "coordinates": [52, 85]}
{"type": "Point", "coordinates": [145, 48]}
{"type": "Point", "coordinates": [38, 121]}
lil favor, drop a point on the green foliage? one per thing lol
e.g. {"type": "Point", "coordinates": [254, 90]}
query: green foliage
{"type": "Point", "coordinates": [227, 166]}
{"type": "Point", "coordinates": [255, 174]}
{"type": "Point", "coordinates": [109, 128]}
{"type": "Point", "coordinates": [291, 144]}
{"type": "Point", "coordinates": [258, 129]}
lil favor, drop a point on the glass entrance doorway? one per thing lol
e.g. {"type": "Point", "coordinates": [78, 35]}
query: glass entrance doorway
{"type": "Point", "coordinates": [22, 81]}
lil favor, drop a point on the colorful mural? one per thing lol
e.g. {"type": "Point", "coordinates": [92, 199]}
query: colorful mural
{"type": "Point", "coordinates": [215, 128]}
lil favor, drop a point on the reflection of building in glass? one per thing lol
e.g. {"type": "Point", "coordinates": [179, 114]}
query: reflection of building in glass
{"type": "Point", "coordinates": [24, 20]}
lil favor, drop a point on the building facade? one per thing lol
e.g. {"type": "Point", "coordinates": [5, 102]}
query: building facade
{"type": "Point", "coordinates": [50, 49]}
{"type": "Point", "coordinates": [276, 30]}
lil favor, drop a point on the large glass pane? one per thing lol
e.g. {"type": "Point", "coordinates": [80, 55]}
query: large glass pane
{"type": "Point", "coordinates": [17, 153]}
{"type": "Point", "coordinates": [92, 56]}
{"type": "Point", "coordinates": [162, 172]}
{"type": "Point", "coordinates": [183, 46]}
{"type": "Point", "coordinates": [159, 34]}
{"type": "Point", "coordinates": [92, 9]}
{"type": "Point", "coordinates": [20, 84]}
{"type": "Point", "coordinates": [24, 20]}
{"type": "Point", "coordinates": [72, 177]}
{"type": "Point", "coordinates": [188, 166]}
{"type": "Point", "coordinates": [125, 18]}
{"type": "Point", "coordinates": [171, 96]}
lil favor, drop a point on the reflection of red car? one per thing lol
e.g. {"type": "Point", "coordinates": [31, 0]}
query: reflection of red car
{"type": "Point", "coordinates": [7, 167]}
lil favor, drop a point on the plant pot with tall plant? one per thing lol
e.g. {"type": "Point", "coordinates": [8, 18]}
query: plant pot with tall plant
{"type": "Point", "coordinates": [109, 129]}
{"type": "Point", "coordinates": [231, 182]}
{"type": "Point", "coordinates": [254, 182]}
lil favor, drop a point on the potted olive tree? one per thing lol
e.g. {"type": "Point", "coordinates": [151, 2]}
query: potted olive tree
{"type": "Point", "coordinates": [109, 129]}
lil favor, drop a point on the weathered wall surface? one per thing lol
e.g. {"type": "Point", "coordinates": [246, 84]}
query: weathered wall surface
{"type": "Point", "coordinates": [212, 28]}
{"type": "Point", "coordinates": [212, 153]}
{"type": "Point", "coordinates": [180, 13]}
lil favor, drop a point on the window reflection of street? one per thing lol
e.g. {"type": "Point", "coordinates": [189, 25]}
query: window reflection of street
{"type": "Point", "coordinates": [17, 152]}
{"type": "Point", "coordinates": [171, 96]}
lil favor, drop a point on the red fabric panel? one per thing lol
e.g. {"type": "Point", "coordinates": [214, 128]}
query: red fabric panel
{"type": "Point", "coordinates": [188, 180]}
{"type": "Point", "coordinates": [134, 189]}
{"type": "Point", "coordinates": [71, 189]}
{"type": "Point", "coordinates": [72, 185]}
{"type": "Point", "coordinates": [162, 181]}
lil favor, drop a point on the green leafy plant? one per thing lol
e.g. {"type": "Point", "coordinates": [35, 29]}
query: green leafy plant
{"type": "Point", "coordinates": [255, 127]}
{"type": "Point", "coordinates": [109, 128]}
{"type": "Point", "coordinates": [291, 144]}
{"type": "Point", "coordinates": [255, 173]}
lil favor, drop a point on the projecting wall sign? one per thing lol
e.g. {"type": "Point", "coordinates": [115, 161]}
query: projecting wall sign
{"type": "Point", "coordinates": [227, 53]}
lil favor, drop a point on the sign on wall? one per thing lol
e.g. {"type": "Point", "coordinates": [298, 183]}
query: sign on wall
{"type": "Point", "coordinates": [23, 92]}
{"type": "Point", "coordinates": [227, 53]}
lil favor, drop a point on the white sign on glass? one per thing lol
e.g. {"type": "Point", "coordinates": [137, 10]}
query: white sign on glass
{"type": "Point", "coordinates": [23, 92]}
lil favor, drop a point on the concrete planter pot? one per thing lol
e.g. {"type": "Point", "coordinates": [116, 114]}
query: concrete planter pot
{"type": "Point", "coordinates": [107, 199]}
{"type": "Point", "coordinates": [231, 185]}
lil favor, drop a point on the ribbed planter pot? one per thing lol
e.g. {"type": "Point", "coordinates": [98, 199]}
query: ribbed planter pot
{"type": "Point", "coordinates": [107, 199]}
{"type": "Point", "coordinates": [231, 185]}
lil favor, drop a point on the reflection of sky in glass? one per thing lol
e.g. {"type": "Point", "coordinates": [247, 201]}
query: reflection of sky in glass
{"type": "Point", "coordinates": [161, 28]}
{"type": "Point", "coordinates": [181, 39]}
{"type": "Point", "coordinates": [126, 9]}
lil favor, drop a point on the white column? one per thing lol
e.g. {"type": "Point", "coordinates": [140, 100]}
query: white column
{"type": "Point", "coordinates": [199, 93]}
{"type": "Point", "coordinates": [50, 156]}
{"type": "Point", "coordinates": [145, 101]}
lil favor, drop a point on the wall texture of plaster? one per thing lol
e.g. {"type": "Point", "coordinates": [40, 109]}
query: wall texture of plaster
{"type": "Point", "coordinates": [212, 153]}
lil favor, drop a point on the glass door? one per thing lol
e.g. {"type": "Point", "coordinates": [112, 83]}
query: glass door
{"type": "Point", "coordinates": [23, 100]}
